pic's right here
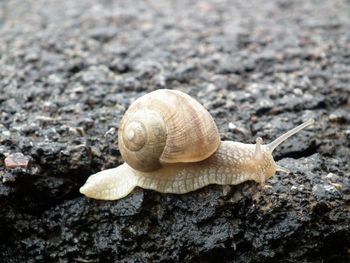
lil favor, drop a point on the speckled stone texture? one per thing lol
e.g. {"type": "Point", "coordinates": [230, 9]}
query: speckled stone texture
{"type": "Point", "coordinates": [70, 69]}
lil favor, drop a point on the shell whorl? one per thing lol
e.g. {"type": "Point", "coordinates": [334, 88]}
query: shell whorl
{"type": "Point", "coordinates": [142, 139]}
{"type": "Point", "coordinates": [166, 126]}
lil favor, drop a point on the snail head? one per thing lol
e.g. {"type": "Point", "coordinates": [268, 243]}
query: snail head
{"type": "Point", "coordinates": [262, 157]}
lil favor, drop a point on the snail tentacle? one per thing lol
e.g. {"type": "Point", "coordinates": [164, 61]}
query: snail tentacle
{"type": "Point", "coordinates": [282, 169]}
{"type": "Point", "coordinates": [258, 154]}
{"type": "Point", "coordinates": [272, 145]}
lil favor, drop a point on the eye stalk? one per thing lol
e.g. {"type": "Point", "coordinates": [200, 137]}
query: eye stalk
{"type": "Point", "coordinates": [258, 154]}
{"type": "Point", "coordinates": [273, 145]}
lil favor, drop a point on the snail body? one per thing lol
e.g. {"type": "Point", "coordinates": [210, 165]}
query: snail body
{"type": "Point", "coordinates": [206, 159]}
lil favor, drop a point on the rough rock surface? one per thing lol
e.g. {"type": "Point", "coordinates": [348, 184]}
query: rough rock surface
{"type": "Point", "coordinates": [69, 70]}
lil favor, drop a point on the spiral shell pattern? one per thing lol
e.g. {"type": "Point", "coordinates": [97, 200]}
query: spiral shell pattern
{"type": "Point", "coordinates": [166, 126]}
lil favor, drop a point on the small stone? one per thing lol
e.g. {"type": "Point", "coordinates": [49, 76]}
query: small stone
{"type": "Point", "coordinates": [299, 188]}
{"type": "Point", "coordinates": [294, 189]}
{"type": "Point", "coordinates": [330, 188]}
{"type": "Point", "coordinates": [16, 160]}
{"type": "Point", "coordinates": [231, 126]}
{"type": "Point", "coordinates": [32, 57]}
{"type": "Point", "coordinates": [331, 176]}
{"type": "Point", "coordinates": [111, 131]}
{"type": "Point", "coordinates": [54, 79]}
{"type": "Point", "coordinates": [338, 116]}
{"type": "Point", "coordinates": [6, 133]}
{"type": "Point", "coordinates": [8, 177]}
{"type": "Point", "coordinates": [298, 91]}
{"type": "Point", "coordinates": [333, 117]}
{"type": "Point", "coordinates": [102, 34]}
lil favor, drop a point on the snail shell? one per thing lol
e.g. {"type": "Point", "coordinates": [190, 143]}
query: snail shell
{"type": "Point", "coordinates": [166, 126]}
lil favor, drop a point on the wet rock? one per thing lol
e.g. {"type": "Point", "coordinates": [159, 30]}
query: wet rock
{"type": "Point", "coordinates": [8, 177]}
{"type": "Point", "coordinates": [70, 69]}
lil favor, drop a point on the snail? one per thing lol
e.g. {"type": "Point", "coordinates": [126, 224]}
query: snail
{"type": "Point", "coordinates": [170, 144]}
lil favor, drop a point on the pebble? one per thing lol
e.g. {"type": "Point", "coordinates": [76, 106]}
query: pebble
{"type": "Point", "coordinates": [294, 188]}
{"type": "Point", "coordinates": [331, 176]}
{"type": "Point", "coordinates": [330, 188]}
{"type": "Point", "coordinates": [16, 160]}
{"type": "Point", "coordinates": [6, 133]}
{"type": "Point", "coordinates": [339, 116]}
{"type": "Point", "coordinates": [235, 128]}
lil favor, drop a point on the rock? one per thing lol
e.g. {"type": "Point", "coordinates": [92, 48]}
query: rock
{"type": "Point", "coordinates": [70, 69]}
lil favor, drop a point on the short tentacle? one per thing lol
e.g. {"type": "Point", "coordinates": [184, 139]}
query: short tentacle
{"type": "Point", "coordinates": [282, 169]}
{"type": "Point", "coordinates": [258, 154]}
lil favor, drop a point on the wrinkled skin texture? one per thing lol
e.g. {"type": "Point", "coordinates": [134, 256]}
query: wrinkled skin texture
{"type": "Point", "coordinates": [69, 70]}
{"type": "Point", "coordinates": [233, 163]}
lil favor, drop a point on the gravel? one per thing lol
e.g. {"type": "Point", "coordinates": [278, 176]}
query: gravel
{"type": "Point", "coordinates": [70, 69]}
